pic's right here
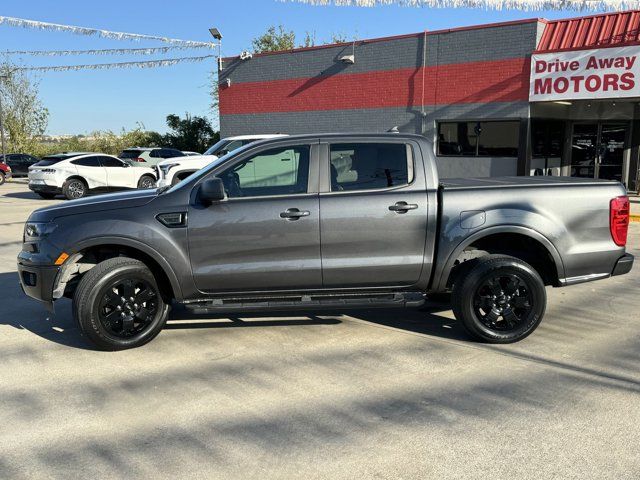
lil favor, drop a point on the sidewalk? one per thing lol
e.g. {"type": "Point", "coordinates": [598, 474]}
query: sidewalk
{"type": "Point", "coordinates": [635, 207]}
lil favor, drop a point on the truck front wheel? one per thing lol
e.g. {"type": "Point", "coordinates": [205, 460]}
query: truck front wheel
{"type": "Point", "coordinates": [499, 299]}
{"type": "Point", "coordinates": [118, 304]}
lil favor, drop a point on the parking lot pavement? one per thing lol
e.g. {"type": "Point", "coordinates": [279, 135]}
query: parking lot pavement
{"type": "Point", "coordinates": [365, 394]}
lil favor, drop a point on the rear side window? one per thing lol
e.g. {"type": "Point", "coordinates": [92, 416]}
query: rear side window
{"type": "Point", "coordinates": [367, 166]}
{"type": "Point", "coordinates": [87, 162]}
{"type": "Point", "coordinates": [127, 154]}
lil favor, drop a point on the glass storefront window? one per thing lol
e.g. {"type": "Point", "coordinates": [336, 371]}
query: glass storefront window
{"type": "Point", "coordinates": [479, 139]}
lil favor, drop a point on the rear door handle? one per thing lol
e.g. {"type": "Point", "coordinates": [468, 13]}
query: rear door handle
{"type": "Point", "coordinates": [294, 214]}
{"type": "Point", "coordinates": [402, 207]}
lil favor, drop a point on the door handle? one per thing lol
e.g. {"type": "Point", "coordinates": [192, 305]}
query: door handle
{"type": "Point", "coordinates": [402, 207]}
{"type": "Point", "coordinates": [294, 214]}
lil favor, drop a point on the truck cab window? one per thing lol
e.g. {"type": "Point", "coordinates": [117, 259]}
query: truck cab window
{"type": "Point", "coordinates": [366, 166]}
{"type": "Point", "coordinates": [280, 171]}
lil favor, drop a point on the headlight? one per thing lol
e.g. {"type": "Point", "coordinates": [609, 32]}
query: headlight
{"type": "Point", "coordinates": [36, 230]}
{"type": "Point", "coordinates": [167, 167]}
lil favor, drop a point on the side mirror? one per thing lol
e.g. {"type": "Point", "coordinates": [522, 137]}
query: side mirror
{"type": "Point", "coordinates": [125, 165]}
{"type": "Point", "coordinates": [212, 190]}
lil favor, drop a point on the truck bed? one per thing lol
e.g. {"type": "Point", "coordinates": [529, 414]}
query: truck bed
{"type": "Point", "coordinates": [518, 182]}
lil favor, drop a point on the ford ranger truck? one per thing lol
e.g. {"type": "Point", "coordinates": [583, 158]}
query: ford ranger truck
{"type": "Point", "coordinates": [325, 221]}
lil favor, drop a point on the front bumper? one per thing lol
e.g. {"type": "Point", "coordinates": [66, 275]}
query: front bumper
{"type": "Point", "coordinates": [7, 175]}
{"type": "Point", "coordinates": [37, 281]}
{"type": "Point", "coordinates": [623, 265]}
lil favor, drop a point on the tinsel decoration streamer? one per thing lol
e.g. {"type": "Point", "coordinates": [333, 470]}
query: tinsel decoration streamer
{"type": "Point", "coordinates": [56, 27]}
{"type": "Point", "coordinates": [106, 51]}
{"type": "Point", "coordinates": [530, 5]}
{"type": "Point", "coordinates": [168, 62]}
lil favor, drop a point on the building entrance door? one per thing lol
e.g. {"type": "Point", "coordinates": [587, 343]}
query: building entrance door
{"type": "Point", "coordinates": [598, 150]}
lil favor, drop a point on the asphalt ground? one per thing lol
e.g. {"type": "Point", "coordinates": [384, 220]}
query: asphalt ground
{"type": "Point", "coordinates": [362, 394]}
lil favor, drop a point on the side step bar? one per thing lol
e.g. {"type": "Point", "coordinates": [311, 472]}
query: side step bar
{"type": "Point", "coordinates": [313, 302]}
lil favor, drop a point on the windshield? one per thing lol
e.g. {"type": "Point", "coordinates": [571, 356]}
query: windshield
{"type": "Point", "coordinates": [205, 170]}
{"type": "Point", "coordinates": [215, 150]}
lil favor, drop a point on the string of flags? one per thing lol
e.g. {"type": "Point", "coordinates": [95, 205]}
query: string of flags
{"type": "Point", "coordinates": [167, 62]}
{"type": "Point", "coordinates": [86, 31]}
{"type": "Point", "coordinates": [174, 46]}
{"type": "Point", "coordinates": [103, 51]}
{"type": "Point", "coordinates": [531, 5]}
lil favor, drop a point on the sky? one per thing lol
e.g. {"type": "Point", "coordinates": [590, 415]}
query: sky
{"type": "Point", "coordinates": [86, 101]}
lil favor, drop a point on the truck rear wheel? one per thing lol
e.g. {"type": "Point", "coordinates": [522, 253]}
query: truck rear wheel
{"type": "Point", "coordinates": [499, 299]}
{"type": "Point", "coordinates": [118, 304]}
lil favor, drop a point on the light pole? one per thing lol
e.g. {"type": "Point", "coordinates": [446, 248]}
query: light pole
{"type": "Point", "coordinates": [4, 158]}
{"type": "Point", "coordinates": [215, 33]}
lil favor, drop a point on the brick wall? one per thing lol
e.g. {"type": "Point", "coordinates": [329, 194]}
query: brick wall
{"type": "Point", "coordinates": [482, 72]}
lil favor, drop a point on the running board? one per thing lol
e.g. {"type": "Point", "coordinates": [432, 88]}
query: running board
{"type": "Point", "coordinates": [298, 302]}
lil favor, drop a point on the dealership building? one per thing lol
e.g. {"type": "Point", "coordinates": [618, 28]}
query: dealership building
{"type": "Point", "coordinates": [530, 97]}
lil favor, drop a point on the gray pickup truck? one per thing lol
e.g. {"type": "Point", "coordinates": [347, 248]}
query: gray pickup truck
{"type": "Point", "coordinates": [325, 221]}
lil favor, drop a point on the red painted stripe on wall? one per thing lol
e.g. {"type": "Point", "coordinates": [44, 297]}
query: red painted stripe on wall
{"type": "Point", "coordinates": [477, 82]}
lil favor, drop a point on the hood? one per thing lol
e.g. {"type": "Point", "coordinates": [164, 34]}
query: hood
{"type": "Point", "coordinates": [188, 158]}
{"type": "Point", "coordinates": [111, 201]}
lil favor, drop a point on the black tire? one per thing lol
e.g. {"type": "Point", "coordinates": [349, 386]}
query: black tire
{"type": "Point", "coordinates": [75, 188]}
{"type": "Point", "coordinates": [46, 196]}
{"type": "Point", "coordinates": [99, 304]}
{"type": "Point", "coordinates": [2, 178]}
{"type": "Point", "coordinates": [146, 182]}
{"type": "Point", "coordinates": [499, 299]}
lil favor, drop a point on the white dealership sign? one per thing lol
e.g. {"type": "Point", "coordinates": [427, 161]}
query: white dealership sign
{"type": "Point", "coordinates": [585, 74]}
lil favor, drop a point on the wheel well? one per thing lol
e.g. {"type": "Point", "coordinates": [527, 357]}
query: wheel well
{"type": "Point", "coordinates": [76, 177]}
{"type": "Point", "coordinates": [516, 245]}
{"type": "Point", "coordinates": [88, 258]}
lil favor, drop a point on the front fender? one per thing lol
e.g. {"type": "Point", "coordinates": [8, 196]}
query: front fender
{"type": "Point", "coordinates": [136, 244]}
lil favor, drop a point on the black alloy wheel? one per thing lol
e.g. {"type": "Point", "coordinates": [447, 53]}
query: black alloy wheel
{"type": "Point", "coordinates": [128, 307]}
{"type": "Point", "coordinates": [499, 298]}
{"type": "Point", "coordinates": [503, 302]}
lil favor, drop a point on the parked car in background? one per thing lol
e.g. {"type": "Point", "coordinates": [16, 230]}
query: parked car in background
{"type": "Point", "coordinates": [5, 172]}
{"type": "Point", "coordinates": [326, 221]}
{"type": "Point", "coordinates": [172, 171]}
{"type": "Point", "coordinates": [19, 163]}
{"type": "Point", "coordinates": [148, 157]}
{"type": "Point", "coordinates": [76, 174]}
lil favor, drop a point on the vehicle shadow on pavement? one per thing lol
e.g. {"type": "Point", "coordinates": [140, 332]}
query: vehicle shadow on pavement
{"type": "Point", "coordinates": [23, 313]}
{"type": "Point", "coordinates": [22, 195]}
{"type": "Point", "coordinates": [424, 320]}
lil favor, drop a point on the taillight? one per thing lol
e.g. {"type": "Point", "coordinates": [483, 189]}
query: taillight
{"type": "Point", "coordinates": [141, 160]}
{"type": "Point", "coordinates": [619, 219]}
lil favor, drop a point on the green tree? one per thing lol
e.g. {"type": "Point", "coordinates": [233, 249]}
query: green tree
{"type": "Point", "coordinates": [274, 39]}
{"type": "Point", "coordinates": [309, 40]}
{"type": "Point", "coordinates": [25, 118]}
{"type": "Point", "coordinates": [190, 133]}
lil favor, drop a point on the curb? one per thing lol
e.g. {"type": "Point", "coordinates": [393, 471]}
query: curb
{"type": "Point", "coordinates": [634, 218]}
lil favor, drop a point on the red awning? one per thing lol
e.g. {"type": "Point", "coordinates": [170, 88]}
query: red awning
{"type": "Point", "coordinates": [606, 30]}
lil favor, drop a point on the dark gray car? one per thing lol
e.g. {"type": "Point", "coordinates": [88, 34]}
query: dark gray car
{"type": "Point", "coordinates": [325, 221]}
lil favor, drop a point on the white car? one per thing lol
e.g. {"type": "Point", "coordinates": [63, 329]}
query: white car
{"type": "Point", "coordinates": [174, 170]}
{"type": "Point", "coordinates": [76, 174]}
